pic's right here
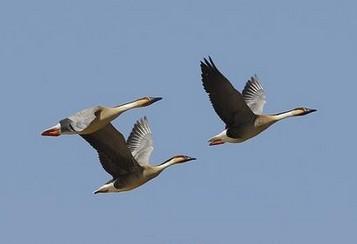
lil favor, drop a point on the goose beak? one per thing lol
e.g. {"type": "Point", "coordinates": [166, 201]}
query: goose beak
{"type": "Point", "coordinates": [309, 110]}
{"type": "Point", "coordinates": [190, 159]}
{"type": "Point", "coordinates": [154, 99]}
{"type": "Point", "coordinates": [53, 131]}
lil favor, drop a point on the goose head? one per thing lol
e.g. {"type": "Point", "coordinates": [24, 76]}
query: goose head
{"type": "Point", "coordinates": [61, 128]}
{"type": "Point", "coordinates": [303, 111]}
{"type": "Point", "coordinates": [181, 159]}
{"type": "Point", "coordinates": [146, 101]}
{"type": "Point", "coordinates": [178, 159]}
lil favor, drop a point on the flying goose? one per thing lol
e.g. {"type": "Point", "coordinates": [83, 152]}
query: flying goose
{"type": "Point", "coordinates": [128, 163]}
{"type": "Point", "coordinates": [242, 113]}
{"type": "Point", "coordinates": [92, 119]}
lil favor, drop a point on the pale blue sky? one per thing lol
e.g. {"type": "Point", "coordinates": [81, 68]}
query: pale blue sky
{"type": "Point", "coordinates": [295, 183]}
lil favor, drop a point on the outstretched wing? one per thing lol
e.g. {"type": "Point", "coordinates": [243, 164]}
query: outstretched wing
{"type": "Point", "coordinates": [254, 95]}
{"type": "Point", "coordinates": [140, 141]}
{"type": "Point", "coordinates": [114, 154]}
{"type": "Point", "coordinates": [226, 100]}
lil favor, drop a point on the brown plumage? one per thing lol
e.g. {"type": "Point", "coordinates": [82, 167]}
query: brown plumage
{"type": "Point", "coordinates": [117, 159]}
{"type": "Point", "coordinates": [240, 113]}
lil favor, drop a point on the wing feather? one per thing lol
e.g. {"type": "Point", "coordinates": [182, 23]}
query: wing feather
{"type": "Point", "coordinates": [114, 154]}
{"type": "Point", "coordinates": [254, 95]}
{"type": "Point", "coordinates": [140, 141]}
{"type": "Point", "coordinates": [226, 100]}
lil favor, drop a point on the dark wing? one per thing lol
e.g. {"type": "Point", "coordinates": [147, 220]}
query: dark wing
{"type": "Point", "coordinates": [113, 151]}
{"type": "Point", "coordinates": [226, 100]}
{"type": "Point", "coordinates": [254, 95]}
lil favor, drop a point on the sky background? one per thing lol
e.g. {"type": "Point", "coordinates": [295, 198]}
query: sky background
{"type": "Point", "coordinates": [294, 183]}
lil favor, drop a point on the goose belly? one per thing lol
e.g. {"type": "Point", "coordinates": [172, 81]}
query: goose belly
{"type": "Point", "coordinates": [250, 132]}
{"type": "Point", "coordinates": [238, 135]}
{"type": "Point", "coordinates": [131, 182]}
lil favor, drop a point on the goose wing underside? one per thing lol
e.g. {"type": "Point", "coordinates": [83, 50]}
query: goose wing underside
{"type": "Point", "coordinates": [140, 142]}
{"type": "Point", "coordinates": [226, 100]}
{"type": "Point", "coordinates": [113, 151]}
{"type": "Point", "coordinates": [254, 95]}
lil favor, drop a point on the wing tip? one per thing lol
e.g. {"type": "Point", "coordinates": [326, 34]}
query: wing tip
{"type": "Point", "coordinates": [208, 63]}
{"type": "Point", "coordinates": [140, 129]}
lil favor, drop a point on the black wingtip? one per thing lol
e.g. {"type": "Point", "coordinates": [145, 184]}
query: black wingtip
{"type": "Point", "coordinates": [208, 63]}
{"type": "Point", "coordinates": [210, 59]}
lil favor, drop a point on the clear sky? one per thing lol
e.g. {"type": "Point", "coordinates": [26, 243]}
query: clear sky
{"type": "Point", "coordinates": [294, 183]}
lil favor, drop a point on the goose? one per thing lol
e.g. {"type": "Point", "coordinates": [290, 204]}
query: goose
{"type": "Point", "coordinates": [128, 162]}
{"type": "Point", "coordinates": [242, 113]}
{"type": "Point", "coordinates": [94, 118]}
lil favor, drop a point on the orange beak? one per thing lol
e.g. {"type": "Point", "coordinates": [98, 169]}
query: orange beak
{"type": "Point", "coordinates": [53, 131]}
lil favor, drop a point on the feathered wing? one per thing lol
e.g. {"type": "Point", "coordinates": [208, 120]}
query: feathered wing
{"type": "Point", "coordinates": [254, 95]}
{"type": "Point", "coordinates": [113, 151]}
{"type": "Point", "coordinates": [226, 100]}
{"type": "Point", "coordinates": [140, 141]}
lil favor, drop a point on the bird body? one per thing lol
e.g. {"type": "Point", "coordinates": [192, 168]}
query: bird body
{"type": "Point", "coordinates": [129, 170]}
{"type": "Point", "coordinates": [126, 182]}
{"type": "Point", "coordinates": [135, 179]}
{"type": "Point", "coordinates": [241, 134]}
{"type": "Point", "coordinates": [242, 113]}
{"type": "Point", "coordinates": [92, 119]}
